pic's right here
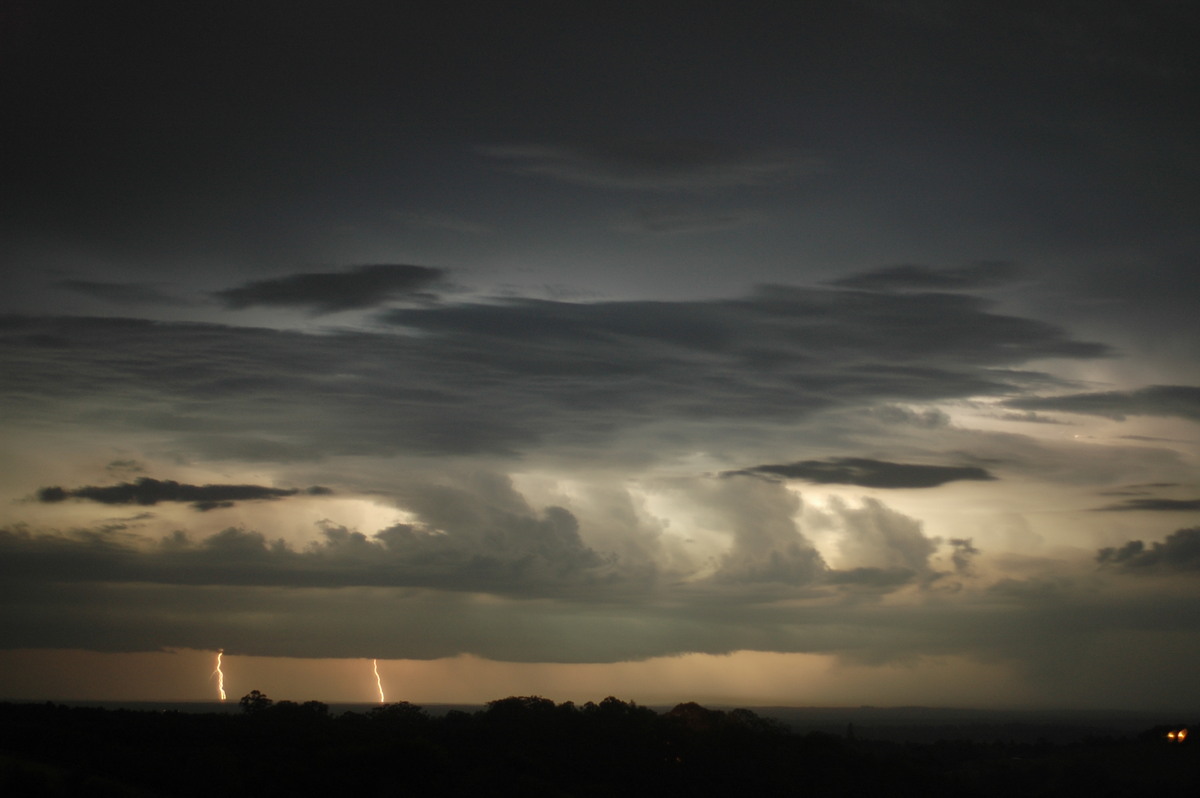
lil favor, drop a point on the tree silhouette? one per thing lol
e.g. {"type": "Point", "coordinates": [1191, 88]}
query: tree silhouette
{"type": "Point", "coordinates": [255, 703]}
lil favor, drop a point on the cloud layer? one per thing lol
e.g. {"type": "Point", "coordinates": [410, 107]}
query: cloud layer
{"type": "Point", "coordinates": [504, 377]}
{"type": "Point", "coordinates": [869, 473]}
{"type": "Point", "coordinates": [147, 492]}
{"type": "Point", "coordinates": [1181, 401]}
{"type": "Point", "coordinates": [331, 292]}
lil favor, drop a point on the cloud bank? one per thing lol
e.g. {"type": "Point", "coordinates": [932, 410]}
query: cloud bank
{"type": "Point", "coordinates": [147, 492]}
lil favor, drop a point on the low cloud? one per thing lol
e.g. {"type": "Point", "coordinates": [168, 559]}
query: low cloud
{"type": "Point", "coordinates": [146, 491]}
{"type": "Point", "coordinates": [1153, 505]}
{"type": "Point", "coordinates": [331, 292]}
{"type": "Point", "coordinates": [1179, 552]}
{"type": "Point", "coordinates": [1180, 401]}
{"type": "Point", "coordinates": [868, 473]}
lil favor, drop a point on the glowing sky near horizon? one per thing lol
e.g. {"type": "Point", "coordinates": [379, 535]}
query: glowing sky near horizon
{"type": "Point", "coordinates": [835, 352]}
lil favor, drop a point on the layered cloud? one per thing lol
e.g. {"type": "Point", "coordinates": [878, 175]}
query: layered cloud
{"type": "Point", "coordinates": [1180, 401]}
{"type": "Point", "coordinates": [1155, 505]}
{"type": "Point", "coordinates": [330, 292]}
{"type": "Point", "coordinates": [918, 277]}
{"type": "Point", "coordinates": [869, 473]}
{"type": "Point", "coordinates": [508, 376]}
{"type": "Point", "coordinates": [439, 411]}
{"type": "Point", "coordinates": [147, 491]}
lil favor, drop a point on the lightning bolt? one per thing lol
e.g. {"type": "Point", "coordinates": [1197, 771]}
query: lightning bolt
{"type": "Point", "coordinates": [220, 674]}
{"type": "Point", "coordinates": [378, 681]}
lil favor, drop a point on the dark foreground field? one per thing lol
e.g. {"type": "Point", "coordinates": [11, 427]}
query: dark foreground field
{"type": "Point", "coordinates": [528, 746]}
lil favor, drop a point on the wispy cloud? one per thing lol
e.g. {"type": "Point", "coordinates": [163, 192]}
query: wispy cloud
{"type": "Point", "coordinates": [1181, 401]}
{"type": "Point", "coordinates": [329, 292]}
{"type": "Point", "coordinates": [506, 376]}
{"type": "Point", "coordinates": [916, 277]}
{"type": "Point", "coordinates": [1154, 505]}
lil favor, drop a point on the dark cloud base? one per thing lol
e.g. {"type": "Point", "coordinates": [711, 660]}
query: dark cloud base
{"type": "Point", "coordinates": [502, 378]}
{"type": "Point", "coordinates": [868, 473]}
{"type": "Point", "coordinates": [1179, 552]}
{"type": "Point", "coordinates": [147, 492]}
{"type": "Point", "coordinates": [330, 292]}
{"type": "Point", "coordinates": [1154, 505]}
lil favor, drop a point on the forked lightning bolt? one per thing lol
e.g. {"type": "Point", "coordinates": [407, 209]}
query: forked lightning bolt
{"type": "Point", "coordinates": [378, 681]}
{"type": "Point", "coordinates": [220, 674]}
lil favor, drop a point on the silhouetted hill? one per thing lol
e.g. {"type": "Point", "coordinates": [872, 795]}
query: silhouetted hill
{"type": "Point", "coordinates": [530, 746]}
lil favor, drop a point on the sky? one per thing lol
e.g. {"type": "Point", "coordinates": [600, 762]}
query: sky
{"type": "Point", "coordinates": [824, 353]}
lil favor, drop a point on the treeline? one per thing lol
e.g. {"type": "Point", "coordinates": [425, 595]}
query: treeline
{"type": "Point", "coordinates": [530, 746]}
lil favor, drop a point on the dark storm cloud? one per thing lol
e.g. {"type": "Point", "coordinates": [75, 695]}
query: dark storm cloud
{"type": "Point", "coordinates": [654, 164]}
{"type": "Point", "coordinates": [536, 554]}
{"type": "Point", "coordinates": [1050, 626]}
{"type": "Point", "coordinates": [915, 277]}
{"type": "Point", "coordinates": [480, 535]}
{"type": "Point", "coordinates": [330, 292]}
{"type": "Point", "coordinates": [1181, 401]}
{"type": "Point", "coordinates": [868, 473]}
{"type": "Point", "coordinates": [1154, 505]}
{"type": "Point", "coordinates": [505, 376]}
{"type": "Point", "coordinates": [147, 491]}
{"type": "Point", "coordinates": [122, 293]}
{"type": "Point", "coordinates": [1179, 552]}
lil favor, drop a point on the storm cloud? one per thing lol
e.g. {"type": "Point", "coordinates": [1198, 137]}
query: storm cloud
{"type": "Point", "coordinates": [1180, 551]}
{"type": "Point", "coordinates": [502, 377]}
{"type": "Point", "coordinates": [868, 473]}
{"type": "Point", "coordinates": [146, 491]}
